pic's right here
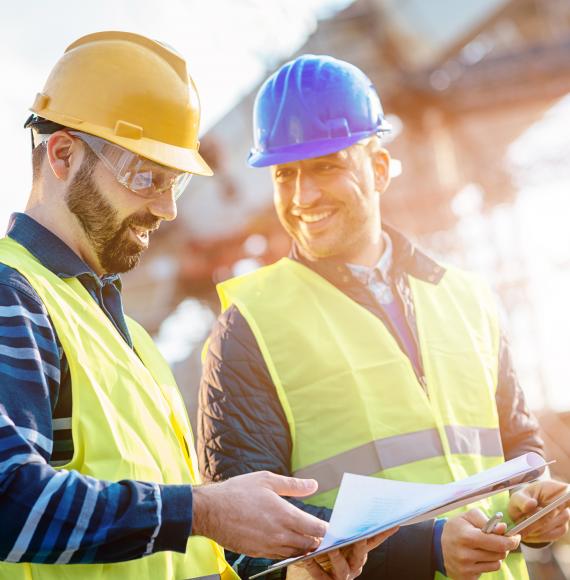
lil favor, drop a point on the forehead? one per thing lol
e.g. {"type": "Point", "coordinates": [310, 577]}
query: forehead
{"type": "Point", "coordinates": [338, 156]}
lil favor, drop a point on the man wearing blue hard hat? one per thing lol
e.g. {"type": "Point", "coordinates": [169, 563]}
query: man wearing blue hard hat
{"type": "Point", "coordinates": [359, 353]}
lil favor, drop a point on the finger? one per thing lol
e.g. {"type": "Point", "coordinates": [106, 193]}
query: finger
{"type": "Point", "coordinates": [549, 490]}
{"type": "Point", "coordinates": [375, 541]}
{"type": "Point", "coordinates": [476, 518]}
{"type": "Point", "coordinates": [303, 523]}
{"type": "Point", "coordinates": [356, 564]}
{"type": "Point", "coordinates": [494, 542]}
{"type": "Point", "coordinates": [357, 555]}
{"type": "Point", "coordinates": [550, 535]}
{"type": "Point", "coordinates": [484, 556]}
{"type": "Point", "coordinates": [556, 534]}
{"type": "Point", "coordinates": [340, 569]}
{"type": "Point", "coordinates": [293, 544]}
{"type": "Point", "coordinates": [500, 529]}
{"type": "Point", "coordinates": [549, 522]}
{"type": "Point", "coordinates": [561, 519]}
{"type": "Point", "coordinates": [315, 570]}
{"type": "Point", "coordinates": [482, 567]}
{"type": "Point", "coordinates": [291, 486]}
{"type": "Point", "coordinates": [522, 502]}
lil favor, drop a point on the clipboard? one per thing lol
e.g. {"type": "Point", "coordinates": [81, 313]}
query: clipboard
{"type": "Point", "coordinates": [513, 530]}
{"type": "Point", "coordinates": [366, 506]}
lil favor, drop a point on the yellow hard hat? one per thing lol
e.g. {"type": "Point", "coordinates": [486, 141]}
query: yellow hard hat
{"type": "Point", "coordinates": [130, 90]}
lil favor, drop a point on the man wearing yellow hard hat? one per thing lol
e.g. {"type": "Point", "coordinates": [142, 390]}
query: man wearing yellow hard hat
{"type": "Point", "coordinates": [98, 473]}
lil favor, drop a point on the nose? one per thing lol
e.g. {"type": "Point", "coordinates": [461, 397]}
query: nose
{"type": "Point", "coordinates": [307, 191]}
{"type": "Point", "coordinates": [164, 206]}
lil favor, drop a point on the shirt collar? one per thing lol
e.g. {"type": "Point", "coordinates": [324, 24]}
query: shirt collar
{"type": "Point", "coordinates": [51, 251]}
{"type": "Point", "coordinates": [383, 266]}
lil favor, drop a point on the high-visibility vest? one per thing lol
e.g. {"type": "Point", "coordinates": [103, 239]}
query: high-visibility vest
{"type": "Point", "coordinates": [128, 422]}
{"type": "Point", "coordinates": [351, 397]}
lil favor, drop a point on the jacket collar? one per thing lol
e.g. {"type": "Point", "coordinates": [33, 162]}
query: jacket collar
{"type": "Point", "coordinates": [54, 253]}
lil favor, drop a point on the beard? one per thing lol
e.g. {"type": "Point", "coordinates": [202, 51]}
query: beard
{"type": "Point", "coordinates": [109, 236]}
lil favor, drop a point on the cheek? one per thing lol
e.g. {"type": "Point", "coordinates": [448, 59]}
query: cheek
{"type": "Point", "coordinates": [123, 201]}
{"type": "Point", "coordinates": [281, 202]}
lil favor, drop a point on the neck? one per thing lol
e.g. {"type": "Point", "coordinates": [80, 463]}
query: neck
{"type": "Point", "coordinates": [369, 254]}
{"type": "Point", "coordinates": [63, 224]}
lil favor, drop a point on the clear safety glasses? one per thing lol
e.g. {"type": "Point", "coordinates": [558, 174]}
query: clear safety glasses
{"type": "Point", "coordinates": [142, 176]}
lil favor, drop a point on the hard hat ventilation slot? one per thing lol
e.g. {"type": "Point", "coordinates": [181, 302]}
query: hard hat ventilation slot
{"type": "Point", "coordinates": [128, 130]}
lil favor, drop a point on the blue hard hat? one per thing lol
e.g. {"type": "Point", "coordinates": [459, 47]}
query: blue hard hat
{"type": "Point", "coordinates": [313, 106]}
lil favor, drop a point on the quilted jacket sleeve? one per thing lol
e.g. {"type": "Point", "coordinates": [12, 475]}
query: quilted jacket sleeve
{"type": "Point", "coordinates": [520, 431]}
{"type": "Point", "coordinates": [242, 428]}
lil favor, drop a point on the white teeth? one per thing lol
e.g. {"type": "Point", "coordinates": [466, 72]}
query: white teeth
{"type": "Point", "coordinates": [140, 233]}
{"type": "Point", "coordinates": [315, 217]}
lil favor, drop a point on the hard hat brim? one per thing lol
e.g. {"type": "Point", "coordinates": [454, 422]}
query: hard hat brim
{"type": "Point", "coordinates": [180, 158]}
{"type": "Point", "coordinates": [306, 150]}
{"type": "Point", "coordinates": [173, 156]}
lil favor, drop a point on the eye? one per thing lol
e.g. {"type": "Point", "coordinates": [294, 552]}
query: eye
{"type": "Point", "coordinates": [325, 166]}
{"type": "Point", "coordinates": [283, 174]}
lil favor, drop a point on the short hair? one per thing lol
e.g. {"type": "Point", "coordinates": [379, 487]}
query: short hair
{"type": "Point", "coordinates": [40, 150]}
{"type": "Point", "coordinates": [38, 156]}
{"type": "Point", "coordinates": [38, 127]}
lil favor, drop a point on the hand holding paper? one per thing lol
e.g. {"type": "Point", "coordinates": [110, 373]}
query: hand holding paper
{"type": "Point", "coordinates": [366, 506]}
{"type": "Point", "coordinates": [343, 564]}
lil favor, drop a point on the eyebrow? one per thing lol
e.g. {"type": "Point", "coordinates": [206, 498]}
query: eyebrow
{"type": "Point", "coordinates": [337, 156]}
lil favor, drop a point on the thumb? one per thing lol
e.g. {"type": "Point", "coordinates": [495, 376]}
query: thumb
{"type": "Point", "coordinates": [500, 529]}
{"type": "Point", "coordinates": [292, 486]}
{"type": "Point", "coordinates": [522, 502]}
{"type": "Point", "coordinates": [476, 518]}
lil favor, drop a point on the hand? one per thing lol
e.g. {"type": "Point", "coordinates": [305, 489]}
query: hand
{"type": "Point", "coordinates": [246, 515]}
{"type": "Point", "coordinates": [525, 501]}
{"type": "Point", "coordinates": [468, 552]}
{"type": "Point", "coordinates": [343, 564]}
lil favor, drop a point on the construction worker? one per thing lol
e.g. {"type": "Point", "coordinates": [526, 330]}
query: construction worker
{"type": "Point", "coordinates": [97, 465]}
{"type": "Point", "coordinates": [359, 353]}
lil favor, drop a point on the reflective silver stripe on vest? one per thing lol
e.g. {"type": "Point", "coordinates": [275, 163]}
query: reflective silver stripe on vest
{"type": "Point", "coordinates": [373, 457]}
{"type": "Point", "coordinates": [209, 577]}
{"type": "Point", "coordinates": [474, 440]}
{"type": "Point", "coordinates": [399, 450]}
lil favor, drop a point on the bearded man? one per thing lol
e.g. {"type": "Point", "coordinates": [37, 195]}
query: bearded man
{"type": "Point", "coordinates": [98, 476]}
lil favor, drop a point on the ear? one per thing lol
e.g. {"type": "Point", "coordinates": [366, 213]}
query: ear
{"type": "Point", "coordinates": [62, 150]}
{"type": "Point", "coordinates": [381, 163]}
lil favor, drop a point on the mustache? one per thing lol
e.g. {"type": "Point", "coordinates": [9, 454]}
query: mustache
{"type": "Point", "coordinates": [147, 221]}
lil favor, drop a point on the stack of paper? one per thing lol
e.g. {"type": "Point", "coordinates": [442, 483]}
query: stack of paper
{"type": "Point", "coordinates": [366, 506]}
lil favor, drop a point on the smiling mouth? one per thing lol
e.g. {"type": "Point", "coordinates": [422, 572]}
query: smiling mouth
{"type": "Point", "coordinates": [314, 217]}
{"type": "Point", "coordinates": [141, 234]}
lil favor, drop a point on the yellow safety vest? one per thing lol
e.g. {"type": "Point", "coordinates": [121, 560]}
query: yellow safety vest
{"type": "Point", "coordinates": [128, 422]}
{"type": "Point", "coordinates": [350, 395]}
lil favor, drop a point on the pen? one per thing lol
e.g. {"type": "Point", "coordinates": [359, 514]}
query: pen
{"type": "Point", "coordinates": [492, 522]}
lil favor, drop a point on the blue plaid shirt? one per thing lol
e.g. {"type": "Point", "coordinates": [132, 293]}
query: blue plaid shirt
{"type": "Point", "coordinates": [64, 517]}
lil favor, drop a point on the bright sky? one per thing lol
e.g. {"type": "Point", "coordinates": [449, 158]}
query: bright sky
{"type": "Point", "coordinates": [229, 45]}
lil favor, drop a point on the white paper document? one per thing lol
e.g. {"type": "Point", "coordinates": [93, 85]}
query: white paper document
{"type": "Point", "coordinates": [366, 506]}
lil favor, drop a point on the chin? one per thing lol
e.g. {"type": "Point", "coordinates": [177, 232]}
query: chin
{"type": "Point", "coordinates": [119, 264]}
{"type": "Point", "coordinates": [319, 253]}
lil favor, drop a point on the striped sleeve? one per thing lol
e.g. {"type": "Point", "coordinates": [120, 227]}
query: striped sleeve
{"type": "Point", "coordinates": [29, 361]}
{"type": "Point", "coordinates": [51, 516]}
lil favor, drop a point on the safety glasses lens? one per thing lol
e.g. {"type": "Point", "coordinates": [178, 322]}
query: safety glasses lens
{"type": "Point", "coordinates": [142, 176]}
